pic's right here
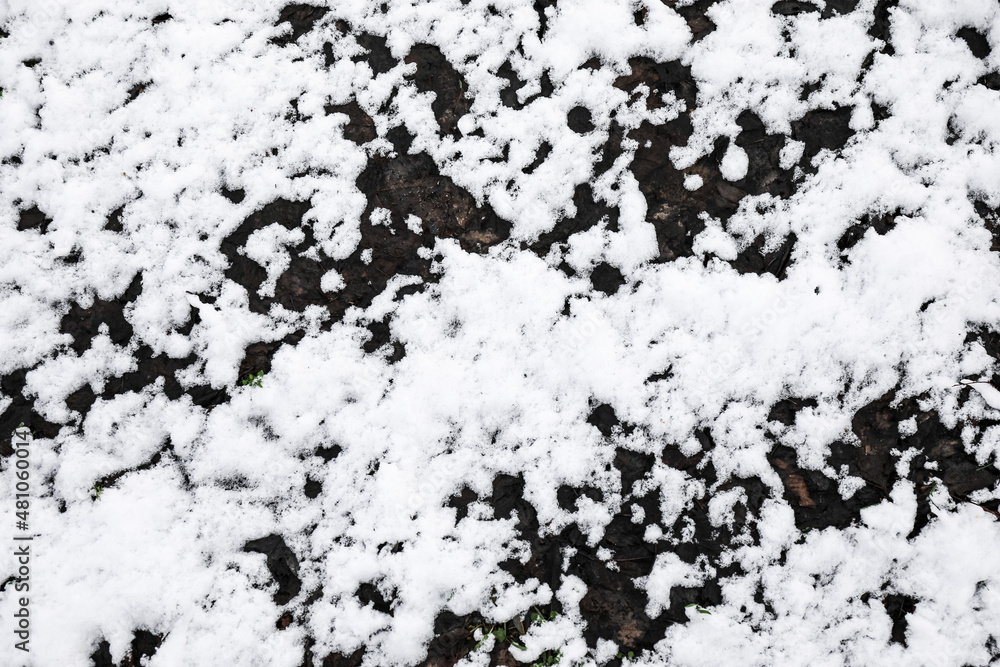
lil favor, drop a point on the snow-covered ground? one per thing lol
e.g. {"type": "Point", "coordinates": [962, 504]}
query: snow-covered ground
{"type": "Point", "coordinates": [455, 343]}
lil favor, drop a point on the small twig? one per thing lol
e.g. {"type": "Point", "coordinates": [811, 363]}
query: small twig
{"type": "Point", "coordinates": [880, 488]}
{"type": "Point", "coordinates": [960, 499]}
{"type": "Point", "coordinates": [988, 510]}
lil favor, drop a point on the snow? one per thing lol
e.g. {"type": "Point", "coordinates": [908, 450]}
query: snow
{"type": "Point", "coordinates": [734, 163]}
{"type": "Point", "coordinates": [497, 377]}
{"type": "Point", "coordinates": [989, 393]}
{"type": "Point", "coordinates": [693, 181]}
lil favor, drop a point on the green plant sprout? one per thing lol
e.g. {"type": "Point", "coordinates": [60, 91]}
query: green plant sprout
{"type": "Point", "coordinates": [499, 633]}
{"type": "Point", "coordinates": [698, 607]}
{"type": "Point", "coordinates": [504, 633]}
{"type": "Point", "coordinates": [547, 658]}
{"type": "Point", "coordinates": [252, 380]}
{"type": "Point", "coordinates": [97, 492]}
{"type": "Point", "coordinates": [537, 617]}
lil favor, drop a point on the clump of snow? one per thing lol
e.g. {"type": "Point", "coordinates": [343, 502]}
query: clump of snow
{"type": "Point", "coordinates": [989, 393]}
{"type": "Point", "coordinates": [268, 247]}
{"type": "Point", "coordinates": [692, 181]}
{"type": "Point", "coordinates": [734, 163]}
{"type": "Point", "coordinates": [332, 281]}
{"type": "Point", "coordinates": [791, 153]}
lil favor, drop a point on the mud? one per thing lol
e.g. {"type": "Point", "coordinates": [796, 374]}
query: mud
{"type": "Point", "coordinates": [411, 184]}
{"type": "Point", "coordinates": [281, 563]}
{"type": "Point", "coordinates": [144, 645]}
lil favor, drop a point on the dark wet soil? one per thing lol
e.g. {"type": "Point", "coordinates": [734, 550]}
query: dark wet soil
{"type": "Point", "coordinates": [412, 185]}
{"type": "Point", "coordinates": [144, 645]}
{"type": "Point", "coordinates": [281, 563]}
